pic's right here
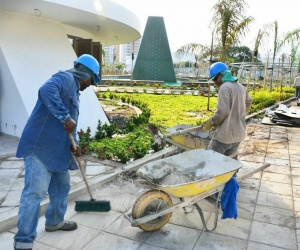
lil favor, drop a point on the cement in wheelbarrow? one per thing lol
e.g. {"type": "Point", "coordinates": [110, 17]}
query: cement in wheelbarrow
{"type": "Point", "coordinates": [190, 173]}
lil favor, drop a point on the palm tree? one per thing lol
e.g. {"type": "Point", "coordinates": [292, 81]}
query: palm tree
{"type": "Point", "coordinates": [260, 37]}
{"type": "Point", "coordinates": [230, 23]}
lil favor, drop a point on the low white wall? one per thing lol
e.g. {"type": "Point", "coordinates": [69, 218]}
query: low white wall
{"type": "Point", "coordinates": [32, 50]}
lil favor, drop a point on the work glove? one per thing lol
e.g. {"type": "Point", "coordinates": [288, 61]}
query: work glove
{"type": "Point", "coordinates": [206, 125]}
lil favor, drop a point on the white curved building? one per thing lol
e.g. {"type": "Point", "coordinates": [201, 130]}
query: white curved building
{"type": "Point", "coordinates": [35, 43]}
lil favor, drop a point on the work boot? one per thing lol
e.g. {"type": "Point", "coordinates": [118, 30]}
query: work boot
{"type": "Point", "coordinates": [68, 226]}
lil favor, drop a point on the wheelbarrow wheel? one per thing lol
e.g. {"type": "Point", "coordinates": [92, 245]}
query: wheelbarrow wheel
{"type": "Point", "coordinates": [149, 203]}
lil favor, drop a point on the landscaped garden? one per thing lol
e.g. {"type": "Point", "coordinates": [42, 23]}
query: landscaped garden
{"type": "Point", "coordinates": [164, 111]}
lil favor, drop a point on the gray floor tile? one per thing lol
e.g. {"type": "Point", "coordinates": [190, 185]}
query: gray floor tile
{"type": "Point", "coordinates": [258, 246]}
{"type": "Point", "coordinates": [250, 184]}
{"type": "Point", "coordinates": [75, 240]}
{"type": "Point", "coordinates": [246, 195]}
{"type": "Point", "coordinates": [214, 241]}
{"type": "Point", "coordinates": [150, 247]}
{"type": "Point", "coordinates": [279, 169]}
{"type": "Point", "coordinates": [106, 241]}
{"type": "Point", "coordinates": [281, 178]}
{"type": "Point", "coordinates": [122, 227]}
{"type": "Point", "coordinates": [276, 216]}
{"type": "Point", "coordinates": [239, 228]}
{"type": "Point", "coordinates": [7, 241]}
{"type": "Point", "coordinates": [274, 235]}
{"type": "Point", "coordinates": [174, 237]}
{"type": "Point", "coordinates": [278, 161]}
{"type": "Point", "coordinates": [245, 210]}
{"type": "Point", "coordinates": [276, 188]}
{"type": "Point", "coordinates": [96, 220]}
{"type": "Point", "coordinates": [12, 164]}
{"type": "Point", "coordinates": [275, 200]}
{"type": "Point", "coordinates": [12, 199]}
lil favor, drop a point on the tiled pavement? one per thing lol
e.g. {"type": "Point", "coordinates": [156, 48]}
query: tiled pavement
{"type": "Point", "coordinates": [268, 205]}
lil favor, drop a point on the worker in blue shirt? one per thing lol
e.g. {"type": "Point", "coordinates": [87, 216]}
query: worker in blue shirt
{"type": "Point", "coordinates": [46, 148]}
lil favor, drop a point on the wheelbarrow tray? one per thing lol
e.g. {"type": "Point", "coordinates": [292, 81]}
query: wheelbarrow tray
{"type": "Point", "coordinates": [193, 171]}
{"type": "Point", "coordinates": [190, 140]}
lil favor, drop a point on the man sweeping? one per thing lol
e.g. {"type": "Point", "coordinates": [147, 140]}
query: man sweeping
{"type": "Point", "coordinates": [46, 148]}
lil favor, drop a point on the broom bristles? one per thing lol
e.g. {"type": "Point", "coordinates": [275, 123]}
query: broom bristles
{"type": "Point", "coordinates": [92, 206]}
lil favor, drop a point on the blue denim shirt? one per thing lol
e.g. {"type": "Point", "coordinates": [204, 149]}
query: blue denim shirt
{"type": "Point", "coordinates": [44, 134]}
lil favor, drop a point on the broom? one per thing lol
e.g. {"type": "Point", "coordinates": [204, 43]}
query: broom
{"type": "Point", "coordinates": [92, 205]}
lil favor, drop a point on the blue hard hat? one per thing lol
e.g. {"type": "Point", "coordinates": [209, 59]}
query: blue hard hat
{"type": "Point", "coordinates": [91, 63]}
{"type": "Point", "coordinates": [215, 69]}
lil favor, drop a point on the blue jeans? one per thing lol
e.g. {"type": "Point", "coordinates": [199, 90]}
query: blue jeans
{"type": "Point", "coordinates": [224, 149]}
{"type": "Point", "coordinates": [298, 91]}
{"type": "Point", "coordinates": [38, 181]}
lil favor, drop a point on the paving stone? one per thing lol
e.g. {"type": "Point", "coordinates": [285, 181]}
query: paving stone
{"type": "Point", "coordinates": [295, 157]}
{"type": "Point", "coordinates": [150, 247]}
{"type": "Point", "coordinates": [273, 234]}
{"type": "Point", "coordinates": [12, 164]}
{"type": "Point", "coordinates": [283, 144]}
{"type": "Point", "coordinates": [109, 241]}
{"type": "Point", "coordinates": [122, 227]}
{"type": "Point", "coordinates": [96, 220]}
{"type": "Point", "coordinates": [296, 180]}
{"type": "Point", "coordinates": [246, 195]}
{"type": "Point", "coordinates": [275, 200]}
{"type": "Point", "coordinates": [295, 172]}
{"type": "Point", "coordinates": [7, 178]}
{"type": "Point", "coordinates": [279, 169]}
{"type": "Point", "coordinates": [95, 169]}
{"type": "Point", "coordinates": [276, 216]}
{"type": "Point", "coordinates": [281, 178]}
{"type": "Point", "coordinates": [239, 228]}
{"type": "Point", "coordinates": [251, 184]}
{"type": "Point", "coordinates": [276, 155]}
{"type": "Point", "coordinates": [297, 203]}
{"type": "Point", "coordinates": [252, 158]}
{"type": "Point", "coordinates": [276, 161]}
{"type": "Point", "coordinates": [75, 240]}
{"type": "Point", "coordinates": [174, 237]}
{"type": "Point", "coordinates": [6, 241]}
{"type": "Point", "coordinates": [12, 199]}
{"type": "Point", "coordinates": [191, 220]}
{"type": "Point", "coordinates": [212, 241]}
{"type": "Point", "coordinates": [245, 210]}
{"type": "Point", "coordinates": [258, 246]}
{"type": "Point", "coordinates": [295, 164]}
{"type": "Point", "coordinates": [278, 135]}
{"type": "Point", "coordinates": [276, 187]}
{"type": "Point", "coordinates": [296, 191]}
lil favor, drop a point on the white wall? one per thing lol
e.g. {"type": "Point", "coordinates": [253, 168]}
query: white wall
{"type": "Point", "coordinates": [32, 50]}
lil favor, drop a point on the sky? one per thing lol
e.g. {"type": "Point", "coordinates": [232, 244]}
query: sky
{"type": "Point", "coordinates": [188, 21]}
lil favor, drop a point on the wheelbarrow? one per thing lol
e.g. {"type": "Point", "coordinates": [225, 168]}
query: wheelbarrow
{"type": "Point", "coordinates": [191, 176]}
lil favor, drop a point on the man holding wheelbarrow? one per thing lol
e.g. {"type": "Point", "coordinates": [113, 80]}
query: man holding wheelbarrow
{"type": "Point", "coordinates": [45, 146]}
{"type": "Point", "coordinates": [229, 119]}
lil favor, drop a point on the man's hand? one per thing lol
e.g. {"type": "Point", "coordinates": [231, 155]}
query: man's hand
{"type": "Point", "coordinates": [76, 153]}
{"type": "Point", "coordinates": [206, 125]}
{"type": "Point", "coordinates": [69, 125]}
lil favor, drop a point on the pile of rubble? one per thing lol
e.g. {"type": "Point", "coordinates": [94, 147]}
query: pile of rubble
{"type": "Point", "coordinates": [282, 116]}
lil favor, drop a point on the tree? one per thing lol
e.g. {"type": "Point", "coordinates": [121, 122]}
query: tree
{"type": "Point", "coordinates": [239, 54]}
{"type": "Point", "coordinates": [260, 37]}
{"type": "Point", "coordinates": [230, 23]}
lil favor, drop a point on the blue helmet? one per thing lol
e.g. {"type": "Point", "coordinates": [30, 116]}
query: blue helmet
{"type": "Point", "coordinates": [215, 69]}
{"type": "Point", "coordinates": [91, 63]}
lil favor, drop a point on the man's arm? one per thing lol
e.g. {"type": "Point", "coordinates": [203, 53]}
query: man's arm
{"type": "Point", "coordinates": [249, 101]}
{"type": "Point", "coordinates": [223, 107]}
{"type": "Point", "coordinates": [49, 95]}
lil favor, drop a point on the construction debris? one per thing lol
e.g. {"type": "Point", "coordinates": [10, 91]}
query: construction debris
{"type": "Point", "coordinates": [282, 116]}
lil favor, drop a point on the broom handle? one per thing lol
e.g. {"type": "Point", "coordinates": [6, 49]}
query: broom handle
{"type": "Point", "coordinates": [80, 166]}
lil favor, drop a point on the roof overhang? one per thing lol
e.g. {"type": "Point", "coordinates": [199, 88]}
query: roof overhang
{"type": "Point", "coordinates": [105, 21]}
